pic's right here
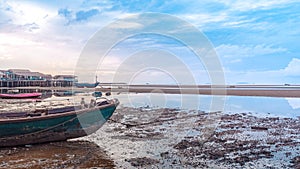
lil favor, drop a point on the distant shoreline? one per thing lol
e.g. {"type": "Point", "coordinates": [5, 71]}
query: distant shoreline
{"type": "Point", "coordinates": [230, 90]}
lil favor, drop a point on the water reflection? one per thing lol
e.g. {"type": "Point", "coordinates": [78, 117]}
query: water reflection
{"type": "Point", "coordinates": [294, 102]}
{"type": "Point", "coordinates": [263, 106]}
{"type": "Point", "coordinates": [45, 93]}
{"type": "Point", "coordinates": [271, 106]}
{"type": "Point", "coordinates": [284, 107]}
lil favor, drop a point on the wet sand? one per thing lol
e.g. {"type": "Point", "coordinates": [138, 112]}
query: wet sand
{"type": "Point", "coordinates": [171, 138]}
{"type": "Point", "coordinates": [263, 92]}
{"type": "Point", "coordinates": [71, 154]}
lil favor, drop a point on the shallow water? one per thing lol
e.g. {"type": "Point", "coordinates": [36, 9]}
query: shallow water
{"type": "Point", "coordinates": [261, 106]}
{"type": "Point", "coordinates": [283, 107]}
{"type": "Point", "coordinates": [119, 146]}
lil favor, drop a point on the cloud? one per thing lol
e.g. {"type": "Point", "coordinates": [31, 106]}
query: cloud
{"type": "Point", "coordinates": [236, 51]}
{"type": "Point", "coordinates": [241, 5]}
{"type": "Point", "coordinates": [4, 55]}
{"type": "Point", "coordinates": [25, 12]}
{"type": "Point", "coordinates": [58, 31]}
{"type": "Point", "coordinates": [243, 22]}
{"type": "Point", "coordinates": [46, 36]}
{"type": "Point", "coordinates": [200, 19]}
{"type": "Point", "coordinates": [40, 57]}
{"type": "Point", "coordinates": [109, 63]}
{"type": "Point", "coordinates": [4, 58]}
{"type": "Point", "coordinates": [251, 14]}
{"type": "Point", "coordinates": [290, 75]}
{"type": "Point", "coordinates": [12, 40]}
{"type": "Point", "coordinates": [127, 25]}
{"type": "Point", "coordinates": [293, 68]}
{"type": "Point", "coordinates": [31, 27]}
{"type": "Point", "coordinates": [81, 15]}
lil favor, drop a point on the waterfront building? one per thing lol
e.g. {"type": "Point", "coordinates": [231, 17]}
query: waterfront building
{"type": "Point", "coordinates": [64, 80]}
{"type": "Point", "coordinates": [25, 77]}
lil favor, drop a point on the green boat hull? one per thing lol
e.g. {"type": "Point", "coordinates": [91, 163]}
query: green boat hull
{"type": "Point", "coordinates": [56, 127]}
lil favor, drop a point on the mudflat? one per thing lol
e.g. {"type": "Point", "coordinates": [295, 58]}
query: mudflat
{"type": "Point", "coordinates": [169, 138]}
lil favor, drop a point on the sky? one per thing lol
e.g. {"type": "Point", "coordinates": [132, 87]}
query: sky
{"type": "Point", "coordinates": [256, 41]}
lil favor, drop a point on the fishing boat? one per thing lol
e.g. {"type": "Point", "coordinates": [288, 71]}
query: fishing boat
{"type": "Point", "coordinates": [54, 124]}
{"type": "Point", "coordinates": [20, 95]}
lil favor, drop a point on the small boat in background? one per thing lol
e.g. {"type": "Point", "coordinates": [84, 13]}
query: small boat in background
{"type": "Point", "coordinates": [64, 93]}
{"type": "Point", "coordinates": [87, 85]}
{"type": "Point", "coordinates": [13, 91]}
{"type": "Point", "coordinates": [20, 95]}
{"type": "Point", "coordinates": [50, 124]}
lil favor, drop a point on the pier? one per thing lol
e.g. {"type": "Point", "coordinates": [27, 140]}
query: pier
{"type": "Point", "coordinates": [36, 83]}
{"type": "Point", "coordinates": [24, 83]}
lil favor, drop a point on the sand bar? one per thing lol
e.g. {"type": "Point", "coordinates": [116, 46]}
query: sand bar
{"type": "Point", "coordinates": [232, 90]}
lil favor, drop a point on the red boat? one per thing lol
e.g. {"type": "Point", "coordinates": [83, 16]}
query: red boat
{"type": "Point", "coordinates": [20, 96]}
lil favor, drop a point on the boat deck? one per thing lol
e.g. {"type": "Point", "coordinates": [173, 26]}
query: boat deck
{"type": "Point", "coordinates": [29, 108]}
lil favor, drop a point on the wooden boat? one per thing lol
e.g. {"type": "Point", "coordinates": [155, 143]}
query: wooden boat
{"type": "Point", "coordinates": [57, 124]}
{"type": "Point", "coordinates": [20, 95]}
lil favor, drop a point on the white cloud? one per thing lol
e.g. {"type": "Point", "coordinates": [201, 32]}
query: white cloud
{"type": "Point", "coordinates": [293, 68]}
{"type": "Point", "coordinates": [126, 25]}
{"type": "Point", "coordinates": [236, 51]}
{"type": "Point", "coordinates": [12, 40]}
{"type": "Point", "coordinates": [43, 36]}
{"type": "Point", "coordinates": [109, 63]}
{"type": "Point", "coordinates": [288, 75]}
{"type": "Point", "coordinates": [31, 34]}
{"type": "Point", "coordinates": [238, 22]}
{"type": "Point", "coordinates": [5, 57]}
{"type": "Point", "coordinates": [242, 5]}
{"type": "Point", "coordinates": [206, 17]}
{"type": "Point", "coordinates": [201, 19]}
{"type": "Point", "coordinates": [28, 13]}
{"type": "Point", "coordinates": [230, 15]}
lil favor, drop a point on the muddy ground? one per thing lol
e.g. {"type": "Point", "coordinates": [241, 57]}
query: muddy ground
{"type": "Point", "coordinates": [171, 138]}
{"type": "Point", "coordinates": [71, 154]}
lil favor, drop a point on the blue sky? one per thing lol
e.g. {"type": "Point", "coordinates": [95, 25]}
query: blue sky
{"type": "Point", "coordinates": [257, 40]}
